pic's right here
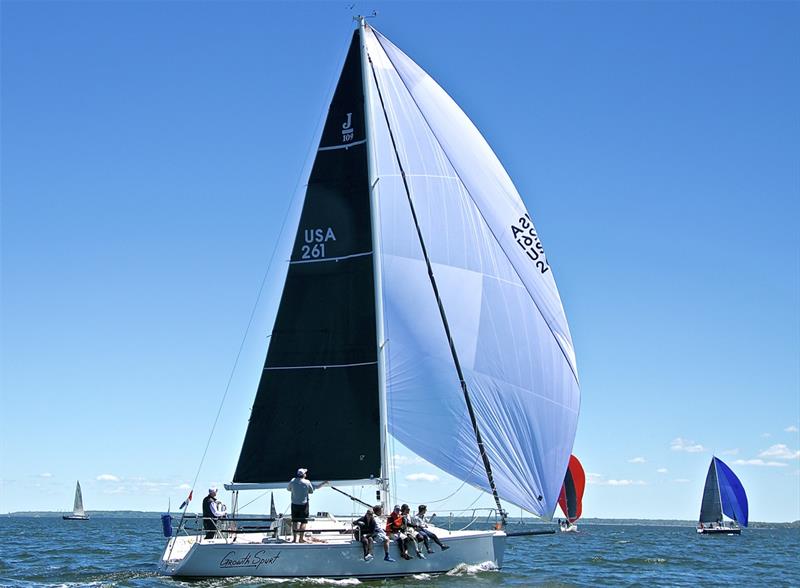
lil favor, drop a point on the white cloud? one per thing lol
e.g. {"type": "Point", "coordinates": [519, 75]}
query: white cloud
{"type": "Point", "coordinates": [681, 444]}
{"type": "Point", "coordinates": [791, 429]}
{"type": "Point", "coordinates": [662, 470]}
{"type": "Point", "coordinates": [594, 479]}
{"type": "Point", "coordinates": [152, 485]}
{"type": "Point", "coordinates": [599, 480]}
{"type": "Point", "coordinates": [107, 478]}
{"type": "Point", "coordinates": [626, 483]}
{"type": "Point", "coordinates": [422, 477]}
{"type": "Point", "coordinates": [734, 451]}
{"type": "Point", "coordinates": [46, 475]}
{"type": "Point", "coordinates": [780, 451]}
{"type": "Point", "coordinates": [184, 487]}
{"type": "Point", "coordinates": [117, 490]}
{"type": "Point", "coordinates": [759, 462]}
{"type": "Point", "coordinates": [637, 460]}
{"type": "Point", "coordinates": [681, 481]}
{"type": "Point", "coordinates": [766, 435]}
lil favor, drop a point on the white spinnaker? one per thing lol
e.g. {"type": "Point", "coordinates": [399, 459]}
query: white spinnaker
{"type": "Point", "coordinates": [505, 315]}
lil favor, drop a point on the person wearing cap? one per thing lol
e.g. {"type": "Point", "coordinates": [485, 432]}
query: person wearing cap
{"type": "Point", "coordinates": [213, 510]}
{"type": "Point", "coordinates": [395, 530]}
{"type": "Point", "coordinates": [366, 527]}
{"type": "Point", "coordinates": [300, 488]}
{"type": "Point", "coordinates": [408, 529]}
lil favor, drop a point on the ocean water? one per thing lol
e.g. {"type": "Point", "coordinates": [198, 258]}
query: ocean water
{"type": "Point", "coordinates": [111, 552]}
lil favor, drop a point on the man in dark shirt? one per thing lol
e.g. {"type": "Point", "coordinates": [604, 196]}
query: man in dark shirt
{"type": "Point", "coordinates": [367, 528]}
{"type": "Point", "coordinates": [211, 513]}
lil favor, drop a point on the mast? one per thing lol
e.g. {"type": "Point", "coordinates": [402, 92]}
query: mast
{"type": "Point", "coordinates": [376, 264]}
{"type": "Point", "coordinates": [457, 363]}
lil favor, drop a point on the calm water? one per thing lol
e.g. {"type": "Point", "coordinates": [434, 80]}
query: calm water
{"type": "Point", "coordinates": [112, 552]}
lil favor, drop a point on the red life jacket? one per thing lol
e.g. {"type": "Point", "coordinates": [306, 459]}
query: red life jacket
{"type": "Point", "coordinates": [394, 523]}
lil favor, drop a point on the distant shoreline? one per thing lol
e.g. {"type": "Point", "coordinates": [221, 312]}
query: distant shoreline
{"type": "Point", "coordinates": [118, 514]}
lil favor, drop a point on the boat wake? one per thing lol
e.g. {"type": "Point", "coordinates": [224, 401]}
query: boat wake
{"type": "Point", "coordinates": [261, 581]}
{"type": "Point", "coordinates": [472, 569]}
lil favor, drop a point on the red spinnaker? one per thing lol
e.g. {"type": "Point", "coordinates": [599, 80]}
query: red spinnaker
{"type": "Point", "coordinates": [571, 498]}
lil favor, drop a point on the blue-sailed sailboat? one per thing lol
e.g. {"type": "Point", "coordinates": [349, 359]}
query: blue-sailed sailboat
{"type": "Point", "coordinates": [723, 494]}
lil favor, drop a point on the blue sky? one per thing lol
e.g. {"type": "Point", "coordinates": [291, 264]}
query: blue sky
{"type": "Point", "coordinates": [150, 150]}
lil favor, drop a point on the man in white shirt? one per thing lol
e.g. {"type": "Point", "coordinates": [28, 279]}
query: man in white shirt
{"type": "Point", "coordinates": [300, 488]}
{"type": "Point", "coordinates": [420, 524]}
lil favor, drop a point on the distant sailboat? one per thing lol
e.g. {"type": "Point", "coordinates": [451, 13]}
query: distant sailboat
{"type": "Point", "coordinates": [273, 514]}
{"type": "Point", "coordinates": [571, 498]}
{"type": "Point", "coordinates": [78, 514]}
{"type": "Point", "coordinates": [723, 494]}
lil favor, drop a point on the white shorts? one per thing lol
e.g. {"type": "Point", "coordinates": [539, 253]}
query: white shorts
{"type": "Point", "coordinates": [380, 536]}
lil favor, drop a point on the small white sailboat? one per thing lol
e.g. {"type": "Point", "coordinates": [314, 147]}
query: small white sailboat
{"type": "Point", "coordinates": [78, 514]}
{"type": "Point", "coordinates": [723, 494]}
{"type": "Point", "coordinates": [418, 303]}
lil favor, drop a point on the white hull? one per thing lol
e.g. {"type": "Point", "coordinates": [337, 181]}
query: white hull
{"type": "Point", "coordinates": [339, 557]}
{"type": "Point", "coordinates": [572, 528]}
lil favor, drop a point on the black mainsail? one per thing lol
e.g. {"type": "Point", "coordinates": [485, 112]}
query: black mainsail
{"type": "Point", "coordinates": [711, 507]}
{"type": "Point", "coordinates": [321, 374]}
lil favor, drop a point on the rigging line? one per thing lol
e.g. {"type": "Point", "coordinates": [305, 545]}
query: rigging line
{"type": "Point", "coordinates": [487, 466]}
{"type": "Point", "coordinates": [350, 496]}
{"type": "Point", "coordinates": [457, 490]}
{"type": "Point", "coordinates": [488, 226]}
{"type": "Point", "coordinates": [254, 499]}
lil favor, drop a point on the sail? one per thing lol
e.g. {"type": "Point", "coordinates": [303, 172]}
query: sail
{"type": "Point", "coordinates": [732, 495]}
{"type": "Point", "coordinates": [77, 508]}
{"type": "Point", "coordinates": [317, 402]}
{"type": "Point", "coordinates": [496, 287]}
{"type": "Point", "coordinates": [571, 498]}
{"type": "Point", "coordinates": [711, 507]}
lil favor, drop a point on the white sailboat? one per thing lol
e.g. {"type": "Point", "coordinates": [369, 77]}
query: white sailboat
{"type": "Point", "coordinates": [78, 514]}
{"type": "Point", "coordinates": [418, 304]}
